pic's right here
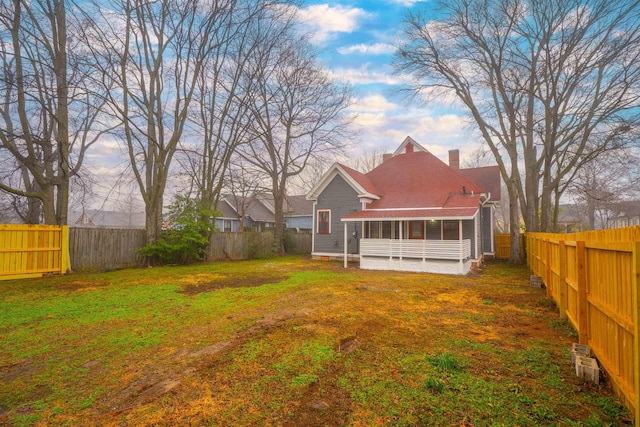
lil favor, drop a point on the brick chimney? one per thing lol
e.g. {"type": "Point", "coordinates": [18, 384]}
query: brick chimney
{"type": "Point", "coordinates": [409, 148]}
{"type": "Point", "coordinates": [454, 159]}
{"type": "Point", "coordinates": [386, 156]}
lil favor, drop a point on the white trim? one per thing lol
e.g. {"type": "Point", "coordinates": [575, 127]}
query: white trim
{"type": "Point", "coordinates": [313, 221]}
{"type": "Point", "coordinates": [493, 249]}
{"type": "Point", "coordinates": [332, 172]}
{"type": "Point", "coordinates": [407, 140]}
{"type": "Point", "coordinates": [409, 218]}
{"type": "Point", "coordinates": [318, 220]}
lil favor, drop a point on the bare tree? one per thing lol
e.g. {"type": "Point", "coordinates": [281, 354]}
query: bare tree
{"type": "Point", "coordinates": [550, 84]}
{"type": "Point", "coordinates": [153, 55]}
{"type": "Point", "coordinates": [47, 113]}
{"type": "Point", "coordinates": [599, 185]}
{"type": "Point", "coordinates": [297, 113]}
{"type": "Point", "coordinates": [220, 114]}
{"type": "Point", "coordinates": [244, 182]}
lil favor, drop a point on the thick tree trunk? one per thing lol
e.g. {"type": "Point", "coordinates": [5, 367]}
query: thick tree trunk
{"type": "Point", "coordinates": [278, 201]}
{"type": "Point", "coordinates": [514, 223]}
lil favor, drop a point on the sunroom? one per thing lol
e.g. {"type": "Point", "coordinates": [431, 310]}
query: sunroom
{"type": "Point", "coordinates": [440, 240]}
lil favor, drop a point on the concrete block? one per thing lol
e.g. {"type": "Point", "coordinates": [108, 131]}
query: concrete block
{"type": "Point", "coordinates": [579, 350]}
{"type": "Point", "coordinates": [587, 368]}
{"type": "Point", "coordinates": [535, 281]}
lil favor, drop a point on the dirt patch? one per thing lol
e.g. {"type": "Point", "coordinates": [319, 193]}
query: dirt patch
{"type": "Point", "coordinates": [232, 282]}
{"type": "Point", "coordinates": [15, 370]}
{"type": "Point", "coordinates": [347, 345]}
{"type": "Point", "coordinates": [324, 403]}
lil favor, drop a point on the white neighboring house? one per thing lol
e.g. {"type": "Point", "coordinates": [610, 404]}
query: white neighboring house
{"type": "Point", "coordinates": [411, 213]}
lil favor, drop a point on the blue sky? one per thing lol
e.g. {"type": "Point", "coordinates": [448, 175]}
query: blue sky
{"type": "Point", "coordinates": [357, 41]}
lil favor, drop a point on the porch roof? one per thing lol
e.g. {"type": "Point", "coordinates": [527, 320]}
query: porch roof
{"type": "Point", "coordinates": [413, 214]}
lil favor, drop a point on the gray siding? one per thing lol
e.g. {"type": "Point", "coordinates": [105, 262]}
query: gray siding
{"type": "Point", "coordinates": [468, 232]}
{"type": "Point", "coordinates": [342, 200]}
{"type": "Point", "coordinates": [487, 237]}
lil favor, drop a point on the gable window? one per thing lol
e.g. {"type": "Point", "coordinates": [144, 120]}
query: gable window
{"type": "Point", "coordinates": [324, 221]}
{"type": "Point", "coordinates": [450, 230]}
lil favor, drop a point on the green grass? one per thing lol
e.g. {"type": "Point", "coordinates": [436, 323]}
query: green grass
{"type": "Point", "coordinates": [313, 344]}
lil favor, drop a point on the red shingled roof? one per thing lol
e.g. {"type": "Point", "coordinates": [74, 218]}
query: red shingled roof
{"type": "Point", "coordinates": [362, 179]}
{"type": "Point", "coordinates": [421, 180]}
{"type": "Point", "coordinates": [416, 184]}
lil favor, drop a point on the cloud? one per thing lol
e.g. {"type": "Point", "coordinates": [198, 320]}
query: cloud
{"type": "Point", "coordinates": [407, 3]}
{"type": "Point", "coordinates": [325, 21]}
{"type": "Point", "coordinates": [365, 75]}
{"type": "Point", "coordinates": [373, 104]}
{"type": "Point", "coordinates": [370, 49]}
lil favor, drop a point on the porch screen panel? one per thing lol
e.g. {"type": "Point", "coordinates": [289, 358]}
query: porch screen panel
{"type": "Point", "coordinates": [450, 230]}
{"type": "Point", "coordinates": [434, 230]}
{"type": "Point", "coordinates": [386, 229]}
{"type": "Point", "coordinates": [374, 230]}
{"type": "Point", "coordinates": [416, 229]}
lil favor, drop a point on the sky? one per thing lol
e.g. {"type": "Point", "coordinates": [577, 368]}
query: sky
{"type": "Point", "coordinates": [356, 40]}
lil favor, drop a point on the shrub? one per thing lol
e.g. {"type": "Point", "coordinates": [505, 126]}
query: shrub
{"type": "Point", "coordinates": [186, 238]}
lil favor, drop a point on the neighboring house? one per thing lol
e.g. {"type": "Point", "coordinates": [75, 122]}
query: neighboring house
{"type": "Point", "coordinates": [228, 220]}
{"type": "Point", "coordinates": [96, 218]}
{"type": "Point", "coordinates": [298, 214]}
{"type": "Point", "coordinates": [259, 212]}
{"type": "Point", "coordinates": [571, 218]}
{"type": "Point", "coordinates": [627, 214]}
{"type": "Point", "coordinates": [411, 213]}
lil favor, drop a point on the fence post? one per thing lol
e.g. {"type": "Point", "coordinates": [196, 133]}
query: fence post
{"type": "Point", "coordinates": [635, 289]}
{"type": "Point", "coordinates": [65, 259]}
{"type": "Point", "coordinates": [547, 267]}
{"type": "Point", "coordinates": [563, 279]}
{"type": "Point", "coordinates": [583, 310]}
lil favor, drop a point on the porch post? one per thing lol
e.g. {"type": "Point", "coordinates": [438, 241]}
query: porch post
{"type": "Point", "coordinates": [461, 246]}
{"type": "Point", "coordinates": [400, 240]}
{"type": "Point", "coordinates": [345, 245]}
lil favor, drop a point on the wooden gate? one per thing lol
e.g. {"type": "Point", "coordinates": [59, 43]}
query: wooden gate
{"type": "Point", "coordinates": [28, 251]}
{"type": "Point", "coordinates": [503, 246]}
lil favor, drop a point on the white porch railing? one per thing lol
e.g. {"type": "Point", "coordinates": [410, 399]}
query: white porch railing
{"type": "Point", "coordinates": [416, 249]}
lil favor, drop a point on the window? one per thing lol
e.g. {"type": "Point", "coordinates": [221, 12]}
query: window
{"type": "Point", "coordinates": [450, 230]}
{"type": "Point", "coordinates": [226, 225]}
{"type": "Point", "coordinates": [324, 221]}
{"type": "Point", "coordinates": [416, 230]}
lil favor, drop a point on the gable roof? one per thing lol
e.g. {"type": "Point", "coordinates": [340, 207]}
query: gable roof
{"type": "Point", "coordinates": [298, 206]}
{"type": "Point", "coordinates": [357, 180]}
{"type": "Point", "coordinates": [413, 183]}
{"type": "Point", "coordinates": [421, 180]}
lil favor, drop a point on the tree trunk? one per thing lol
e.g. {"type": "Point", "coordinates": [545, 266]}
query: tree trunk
{"type": "Point", "coordinates": [278, 201]}
{"type": "Point", "coordinates": [514, 223]}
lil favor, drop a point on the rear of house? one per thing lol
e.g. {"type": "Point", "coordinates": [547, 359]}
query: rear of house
{"type": "Point", "coordinates": [411, 213]}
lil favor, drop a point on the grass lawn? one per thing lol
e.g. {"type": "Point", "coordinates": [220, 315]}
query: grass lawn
{"type": "Point", "coordinates": [290, 342]}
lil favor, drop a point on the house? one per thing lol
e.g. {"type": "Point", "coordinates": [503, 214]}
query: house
{"type": "Point", "coordinates": [571, 218]}
{"type": "Point", "coordinates": [259, 213]}
{"type": "Point", "coordinates": [625, 214]}
{"type": "Point", "coordinates": [97, 218]}
{"type": "Point", "coordinates": [298, 214]}
{"type": "Point", "coordinates": [411, 213]}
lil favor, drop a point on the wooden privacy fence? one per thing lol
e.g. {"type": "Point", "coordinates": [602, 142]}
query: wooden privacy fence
{"type": "Point", "coordinates": [503, 245]}
{"type": "Point", "coordinates": [594, 277]}
{"type": "Point", "coordinates": [33, 250]}
{"type": "Point", "coordinates": [105, 248]}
